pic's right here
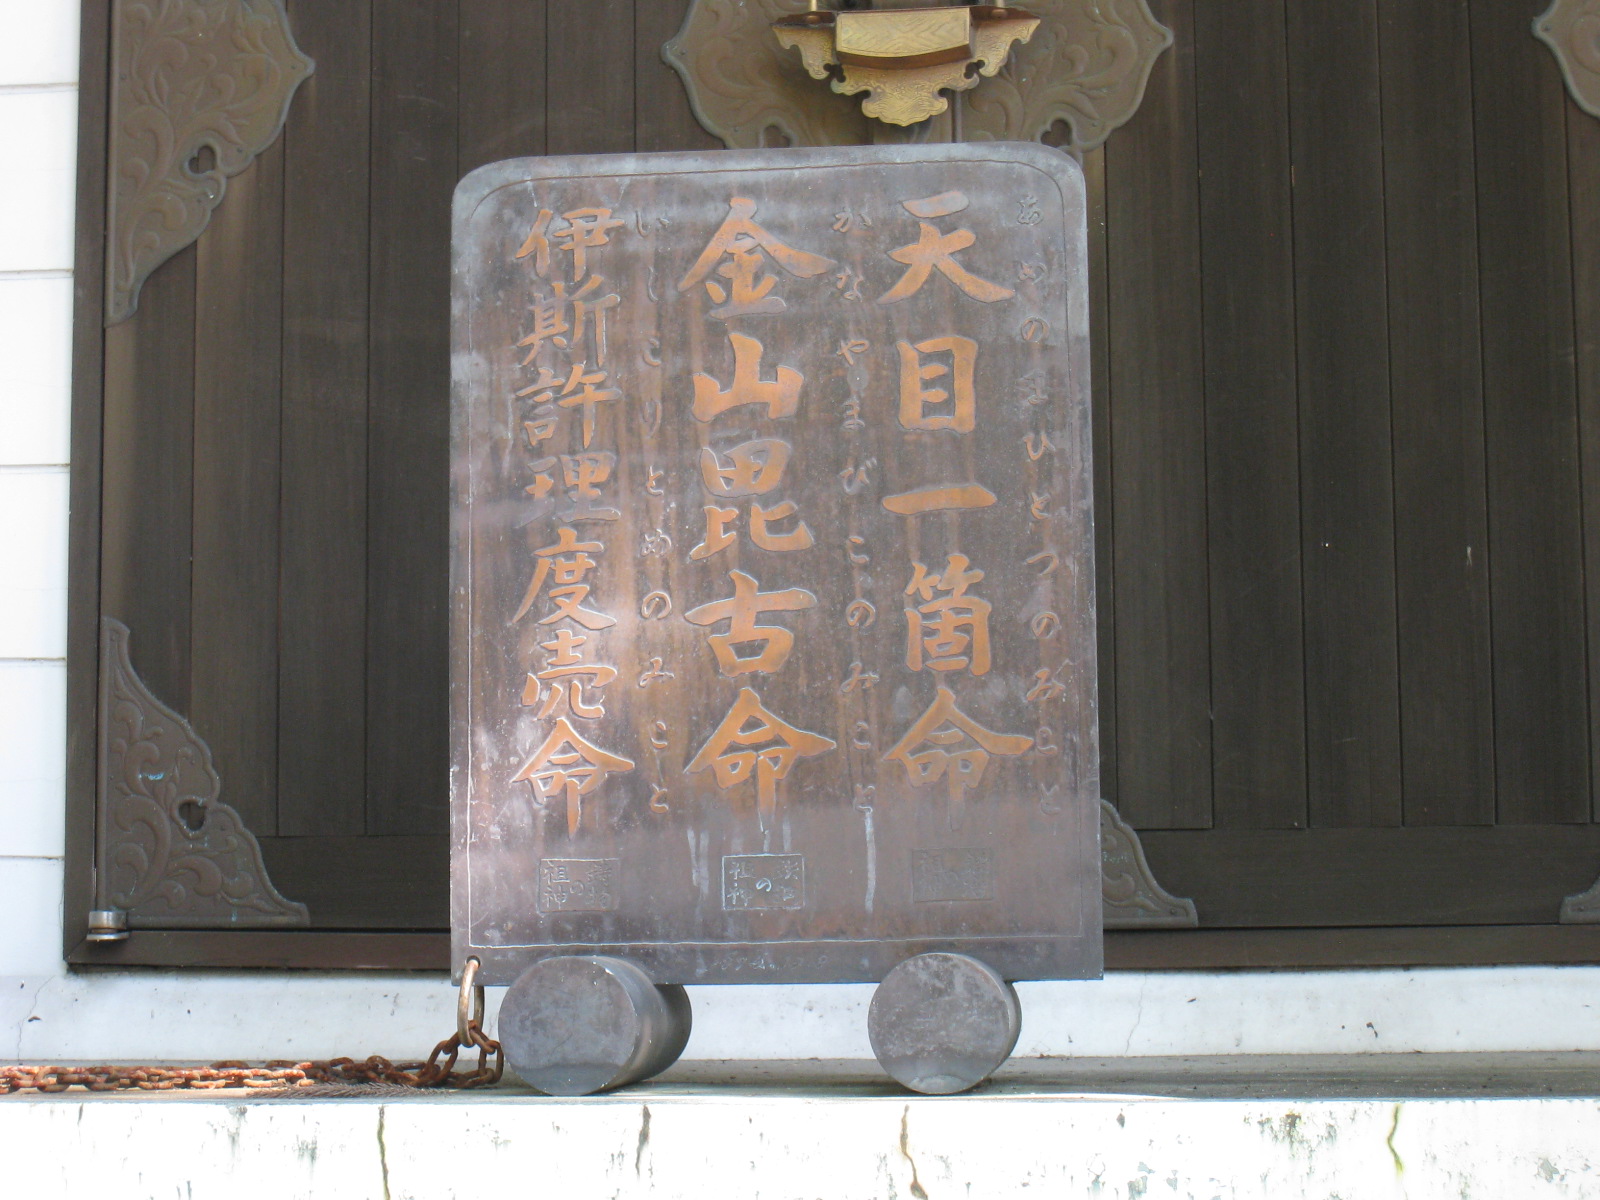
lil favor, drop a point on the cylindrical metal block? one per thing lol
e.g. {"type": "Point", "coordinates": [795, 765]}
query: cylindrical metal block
{"type": "Point", "coordinates": [574, 1025]}
{"type": "Point", "coordinates": [942, 1023]}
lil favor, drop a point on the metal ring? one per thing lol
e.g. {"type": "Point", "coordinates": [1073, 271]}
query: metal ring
{"type": "Point", "coordinates": [469, 1004]}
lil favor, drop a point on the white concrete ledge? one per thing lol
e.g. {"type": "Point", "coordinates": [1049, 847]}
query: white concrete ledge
{"type": "Point", "coordinates": [156, 1016]}
{"type": "Point", "coordinates": [838, 1135]}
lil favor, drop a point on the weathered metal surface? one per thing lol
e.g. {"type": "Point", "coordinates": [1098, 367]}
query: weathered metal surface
{"type": "Point", "coordinates": [773, 635]}
{"type": "Point", "coordinates": [1087, 65]}
{"type": "Point", "coordinates": [1583, 908]}
{"type": "Point", "coordinates": [744, 88]}
{"type": "Point", "coordinates": [905, 58]}
{"type": "Point", "coordinates": [199, 88]}
{"type": "Point", "coordinates": [168, 853]}
{"type": "Point", "coordinates": [1131, 896]}
{"type": "Point", "coordinates": [575, 1025]}
{"type": "Point", "coordinates": [943, 1023]}
{"type": "Point", "coordinates": [107, 925]}
{"type": "Point", "coordinates": [1571, 28]}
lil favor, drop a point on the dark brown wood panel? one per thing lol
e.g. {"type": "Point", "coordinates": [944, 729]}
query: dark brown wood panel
{"type": "Point", "coordinates": [271, 949]}
{"type": "Point", "coordinates": [1352, 681]}
{"type": "Point", "coordinates": [1525, 278]}
{"type": "Point", "coordinates": [88, 465]}
{"type": "Point", "coordinates": [322, 694]}
{"type": "Point", "coordinates": [1291, 339]}
{"type": "Point", "coordinates": [364, 882]}
{"type": "Point", "coordinates": [502, 81]}
{"type": "Point", "coordinates": [1252, 464]}
{"type": "Point", "coordinates": [1094, 176]}
{"type": "Point", "coordinates": [1583, 185]}
{"type": "Point", "coordinates": [1506, 875]}
{"type": "Point", "coordinates": [233, 670]}
{"type": "Point", "coordinates": [1187, 950]}
{"type": "Point", "coordinates": [663, 119]}
{"type": "Point", "coordinates": [589, 76]}
{"type": "Point", "coordinates": [414, 72]}
{"type": "Point", "coordinates": [148, 483]}
{"type": "Point", "coordinates": [1157, 413]}
{"type": "Point", "coordinates": [1310, 949]}
{"type": "Point", "coordinates": [1435, 378]}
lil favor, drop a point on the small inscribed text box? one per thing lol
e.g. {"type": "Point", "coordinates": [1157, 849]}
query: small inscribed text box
{"type": "Point", "coordinates": [957, 874]}
{"type": "Point", "coordinates": [763, 881]}
{"type": "Point", "coordinates": [578, 884]}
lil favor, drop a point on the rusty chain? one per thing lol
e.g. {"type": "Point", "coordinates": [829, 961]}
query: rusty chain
{"type": "Point", "coordinates": [437, 1071]}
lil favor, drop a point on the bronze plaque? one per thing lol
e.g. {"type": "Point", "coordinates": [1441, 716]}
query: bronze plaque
{"type": "Point", "coordinates": [773, 647]}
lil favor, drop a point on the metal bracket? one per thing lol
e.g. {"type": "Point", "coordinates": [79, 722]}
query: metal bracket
{"type": "Point", "coordinates": [169, 854]}
{"type": "Point", "coordinates": [199, 88]}
{"type": "Point", "coordinates": [1086, 64]}
{"type": "Point", "coordinates": [1571, 28]}
{"type": "Point", "coordinates": [1582, 909]}
{"type": "Point", "coordinates": [1132, 897]}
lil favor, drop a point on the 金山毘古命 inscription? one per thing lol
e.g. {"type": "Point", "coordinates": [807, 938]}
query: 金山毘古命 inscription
{"type": "Point", "coordinates": [773, 651]}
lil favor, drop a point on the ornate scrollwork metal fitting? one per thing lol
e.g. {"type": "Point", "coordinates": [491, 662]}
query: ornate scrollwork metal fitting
{"type": "Point", "coordinates": [169, 853]}
{"type": "Point", "coordinates": [903, 58]}
{"type": "Point", "coordinates": [1582, 909]}
{"type": "Point", "coordinates": [743, 88]}
{"type": "Point", "coordinates": [1571, 28]}
{"type": "Point", "coordinates": [1131, 896]}
{"type": "Point", "coordinates": [1086, 64]}
{"type": "Point", "coordinates": [199, 88]}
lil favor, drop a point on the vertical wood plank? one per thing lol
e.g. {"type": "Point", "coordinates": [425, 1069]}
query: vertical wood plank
{"type": "Point", "coordinates": [1342, 355]}
{"type": "Point", "coordinates": [589, 77]}
{"type": "Point", "coordinates": [238, 348]}
{"type": "Point", "coordinates": [1094, 175]}
{"type": "Point", "coordinates": [322, 697]}
{"type": "Point", "coordinates": [663, 118]}
{"type": "Point", "coordinates": [1583, 185]}
{"type": "Point", "coordinates": [147, 489]}
{"type": "Point", "coordinates": [1530, 416]}
{"type": "Point", "coordinates": [1157, 413]}
{"type": "Point", "coordinates": [414, 73]}
{"type": "Point", "coordinates": [1252, 433]}
{"type": "Point", "coordinates": [1435, 379]}
{"type": "Point", "coordinates": [87, 457]}
{"type": "Point", "coordinates": [502, 83]}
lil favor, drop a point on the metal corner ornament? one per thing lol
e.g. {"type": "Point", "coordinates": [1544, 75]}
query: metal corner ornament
{"type": "Point", "coordinates": [199, 89]}
{"type": "Point", "coordinates": [1130, 895]}
{"type": "Point", "coordinates": [1571, 28]}
{"type": "Point", "coordinates": [169, 854]}
{"type": "Point", "coordinates": [1013, 73]}
{"type": "Point", "coordinates": [1582, 908]}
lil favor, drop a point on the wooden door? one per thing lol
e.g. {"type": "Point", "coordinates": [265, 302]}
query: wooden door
{"type": "Point", "coordinates": [1345, 294]}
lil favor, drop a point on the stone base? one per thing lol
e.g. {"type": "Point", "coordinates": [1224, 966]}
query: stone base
{"type": "Point", "coordinates": [1373, 1126]}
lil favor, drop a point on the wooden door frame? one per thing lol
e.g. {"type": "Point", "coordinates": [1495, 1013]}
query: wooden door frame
{"type": "Point", "coordinates": [1202, 949]}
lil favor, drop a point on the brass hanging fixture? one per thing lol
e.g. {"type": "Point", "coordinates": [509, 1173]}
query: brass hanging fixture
{"type": "Point", "coordinates": [904, 57]}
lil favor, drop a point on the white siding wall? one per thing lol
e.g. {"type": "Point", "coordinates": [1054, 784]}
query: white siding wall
{"type": "Point", "coordinates": [38, 139]}
{"type": "Point", "coordinates": [46, 1013]}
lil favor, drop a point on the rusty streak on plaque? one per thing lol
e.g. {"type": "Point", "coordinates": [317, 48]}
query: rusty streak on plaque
{"type": "Point", "coordinates": [749, 617]}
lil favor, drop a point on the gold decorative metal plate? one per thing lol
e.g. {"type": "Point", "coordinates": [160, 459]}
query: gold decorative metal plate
{"type": "Point", "coordinates": [880, 38]}
{"type": "Point", "coordinates": [917, 54]}
{"type": "Point", "coordinates": [1086, 64]}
